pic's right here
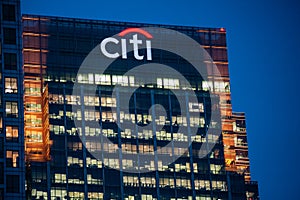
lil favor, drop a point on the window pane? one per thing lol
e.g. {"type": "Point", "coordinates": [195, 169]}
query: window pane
{"type": "Point", "coordinates": [9, 35]}
{"type": "Point", "coordinates": [12, 184]}
{"type": "Point", "coordinates": [12, 159]}
{"type": "Point", "coordinates": [10, 61]}
{"type": "Point", "coordinates": [8, 12]}
{"type": "Point", "coordinates": [11, 85]}
{"type": "Point", "coordinates": [1, 147]}
{"type": "Point", "coordinates": [12, 133]}
{"type": "Point", "coordinates": [11, 109]}
{"type": "Point", "coordinates": [1, 122]}
{"type": "Point", "coordinates": [1, 174]}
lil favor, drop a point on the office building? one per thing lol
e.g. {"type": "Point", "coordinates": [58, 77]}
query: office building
{"type": "Point", "coordinates": [12, 167]}
{"type": "Point", "coordinates": [50, 147]}
{"type": "Point", "coordinates": [62, 167]}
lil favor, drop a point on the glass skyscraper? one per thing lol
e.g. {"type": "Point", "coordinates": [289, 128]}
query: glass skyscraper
{"type": "Point", "coordinates": [12, 165]}
{"type": "Point", "coordinates": [50, 148]}
{"type": "Point", "coordinates": [62, 167]}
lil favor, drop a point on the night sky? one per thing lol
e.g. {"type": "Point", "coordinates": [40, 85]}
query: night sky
{"type": "Point", "coordinates": [263, 39]}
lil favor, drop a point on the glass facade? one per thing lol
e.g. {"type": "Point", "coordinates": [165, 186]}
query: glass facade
{"type": "Point", "coordinates": [60, 166]}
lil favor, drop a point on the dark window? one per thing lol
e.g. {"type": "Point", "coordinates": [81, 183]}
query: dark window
{"type": "Point", "coordinates": [11, 109]}
{"type": "Point", "coordinates": [8, 12]}
{"type": "Point", "coordinates": [1, 147]}
{"type": "Point", "coordinates": [9, 36]}
{"type": "Point", "coordinates": [1, 174]}
{"type": "Point", "coordinates": [1, 194]}
{"type": "Point", "coordinates": [10, 61]}
{"type": "Point", "coordinates": [1, 103]}
{"type": "Point", "coordinates": [12, 184]}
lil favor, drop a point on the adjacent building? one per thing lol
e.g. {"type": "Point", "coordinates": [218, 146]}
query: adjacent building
{"type": "Point", "coordinates": [12, 165]}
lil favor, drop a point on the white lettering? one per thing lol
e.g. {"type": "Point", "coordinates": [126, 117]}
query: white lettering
{"type": "Point", "coordinates": [135, 43]}
{"type": "Point", "coordinates": [124, 49]}
{"type": "Point", "coordinates": [149, 52]}
{"type": "Point", "coordinates": [103, 47]}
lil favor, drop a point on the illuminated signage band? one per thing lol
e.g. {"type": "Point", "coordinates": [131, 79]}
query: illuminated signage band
{"type": "Point", "coordinates": [134, 41]}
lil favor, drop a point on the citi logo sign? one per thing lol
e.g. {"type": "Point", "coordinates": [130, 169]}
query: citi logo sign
{"type": "Point", "coordinates": [134, 42]}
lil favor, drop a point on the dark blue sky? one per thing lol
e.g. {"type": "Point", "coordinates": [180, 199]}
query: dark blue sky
{"type": "Point", "coordinates": [263, 45]}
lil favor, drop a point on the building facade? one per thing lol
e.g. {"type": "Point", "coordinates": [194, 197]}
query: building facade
{"type": "Point", "coordinates": [61, 167]}
{"type": "Point", "coordinates": [12, 167]}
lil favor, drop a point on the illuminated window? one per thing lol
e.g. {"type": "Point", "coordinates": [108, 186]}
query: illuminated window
{"type": "Point", "coordinates": [114, 163]}
{"type": "Point", "coordinates": [11, 109]}
{"type": "Point", "coordinates": [148, 182]}
{"type": "Point", "coordinates": [56, 193]}
{"type": "Point", "coordinates": [166, 182]}
{"type": "Point", "coordinates": [184, 183]}
{"type": "Point", "coordinates": [91, 101]}
{"type": "Point", "coordinates": [202, 184]}
{"type": "Point", "coordinates": [94, 181]}
{"type": "Point", "coordinates": [85, 78]}
{"type": "Point", "coordinates": [12, 134]}
{"type": "Point", "coordinates": [147, 197]}
{"type": "Point", "coordinates": [215, 169]}
{"type": "Point", "coordinates": [93, 146]}
{"type": "Point", "coordinates": [131, 181]}
{"type": "Point", "coordinates": [93, 163]}
{"type": "Point", "coordinates": [222, 86]}
{"type": "Point", "coordinates": [76, 195]}
{"type": "Point", "coordinates": [11, 85]}
{"type": "Point", "coordinates": [75, 146]}
{"type": "Point", "coordinates": [108, 116]}
{"type": "Point", "coordinates": [33, 89]}
{"type": "Point", "coordinates": [167, 83]}
{"type": "Point", "coordinates": [159, 83]}
{"type": "Point", "coordinates": [196, 107]}
{"type": "Point", "coordinates": [75, 162]}
{"type": "Point", "coordinates": [1, 123]}
{"type": "Point", "coordinates": [120, 80]}
{"type": "Point", "coordinates": [219, 185]}
{"type": "Point", "coordinates": [12, 159]}
{"type": "Point", "coordinates": [171, 83]}
{"type": "Point", "coordinates": [34, 136]}
{"type": "Point", "coordinates": [108, 101]}
{"type": "Point", "coordinates": [95, 195]}
{"type": "Point", "coordinates": [32, 106]}
{"type": "Point", "coordinates": [91, 78]}
{"type": "Point", "coordinates": [60, 178]}
{"type": "Point", "coordinates": [33, 121]}
{"type": "Point", "coordinates": [103, 79]}
{"type": "Point", "coordinates": [207, 85]}
{"type": "Point", "coordinates": [71, 99]}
